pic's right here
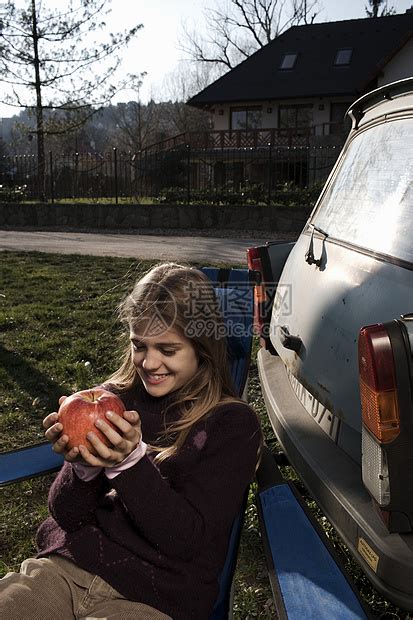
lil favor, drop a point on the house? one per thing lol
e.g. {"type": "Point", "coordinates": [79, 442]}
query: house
{"type": "Point", "coordinates": [279, 116]}
{"type": "Point", "coordinates": [303, 81]}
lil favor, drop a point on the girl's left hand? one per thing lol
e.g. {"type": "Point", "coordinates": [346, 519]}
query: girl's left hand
{"type": "Point", "coordinates": [124, 440]}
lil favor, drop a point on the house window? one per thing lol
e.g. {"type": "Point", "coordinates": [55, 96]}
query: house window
{"type": "Point", "coordinates": [295, 119]}
{"type": "Point", "coordinates": [246, 118]}
{"type": "Point", "coordinates": [343, 57]}
{"type": "Point", "coordinates": [288, 60]}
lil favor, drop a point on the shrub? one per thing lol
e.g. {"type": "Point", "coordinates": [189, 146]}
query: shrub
{"type": "Point", "coordinates": [15, 193]}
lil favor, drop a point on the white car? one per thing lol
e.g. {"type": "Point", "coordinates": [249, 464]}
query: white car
{"type": "Point", "coordinates": [336, 363]}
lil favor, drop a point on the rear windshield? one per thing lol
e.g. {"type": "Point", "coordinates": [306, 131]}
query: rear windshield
{"type": "Point", "coordinates": [370, 201]}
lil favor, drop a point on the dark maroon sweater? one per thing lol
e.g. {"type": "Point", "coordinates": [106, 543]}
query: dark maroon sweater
{"type": "Point", "coordinates": [159, 534]}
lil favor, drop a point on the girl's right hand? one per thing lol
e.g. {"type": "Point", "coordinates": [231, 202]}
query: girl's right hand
{"type": "Point", "coordinates": [53, 434]}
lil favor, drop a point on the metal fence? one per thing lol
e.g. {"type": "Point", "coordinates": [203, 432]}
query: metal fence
{"type": "Point", "coordinates": [182, 173]}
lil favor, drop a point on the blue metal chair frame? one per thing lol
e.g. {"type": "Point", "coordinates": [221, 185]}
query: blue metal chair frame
{"type": "Point", "coordinates": [306, 575]}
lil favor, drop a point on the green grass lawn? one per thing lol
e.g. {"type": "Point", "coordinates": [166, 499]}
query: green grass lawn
{"type": "Point", "coordinates": [56, 313]}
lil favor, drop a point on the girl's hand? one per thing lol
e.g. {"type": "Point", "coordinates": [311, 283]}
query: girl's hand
{"type": "Point", "coordinates": [53, 434]}
{"type": "Point", "coordinates": [124, 440]}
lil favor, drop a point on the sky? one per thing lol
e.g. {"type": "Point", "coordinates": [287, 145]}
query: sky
{"type": "Point", "coordinates": [156, 46]}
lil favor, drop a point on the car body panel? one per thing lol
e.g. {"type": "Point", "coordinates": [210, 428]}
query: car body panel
{"type": "Point", "coordinates": [326, 309]}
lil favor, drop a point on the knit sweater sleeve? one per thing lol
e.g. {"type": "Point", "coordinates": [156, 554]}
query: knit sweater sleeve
{"type": "Point", "coordinates": [216, 465]}
{"type": "Point", "coordinates": [72, 502]}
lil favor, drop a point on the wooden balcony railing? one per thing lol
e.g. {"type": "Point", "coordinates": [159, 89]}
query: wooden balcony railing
{"type": "Point", "coordinates": [253, 139]}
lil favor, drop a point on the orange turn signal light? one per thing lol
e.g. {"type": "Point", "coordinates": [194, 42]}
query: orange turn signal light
{"type": "Point", "coordinates": [378, 389]}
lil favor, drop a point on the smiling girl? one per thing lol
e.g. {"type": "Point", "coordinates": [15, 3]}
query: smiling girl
{"type": "Point", "coordinates": [141, 530]}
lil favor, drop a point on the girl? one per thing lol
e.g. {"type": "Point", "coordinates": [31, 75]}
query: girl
{"type": "Point", "coordinates": [141, 530]}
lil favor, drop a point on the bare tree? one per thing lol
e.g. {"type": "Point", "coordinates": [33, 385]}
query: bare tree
{"type": "Point", "coordinates": [187, 79]}
{"type": "Point", "coordinates": [49, 60]}
{"type": "Point", "coordinates": [379, 8]}
{"type": "Point", "coordinates": [136, 125]}
{"type": "Point", "coordinates": [238, 28]}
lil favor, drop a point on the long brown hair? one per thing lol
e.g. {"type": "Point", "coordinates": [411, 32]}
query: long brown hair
{"type": "Point", "coordinates": [178, 296]}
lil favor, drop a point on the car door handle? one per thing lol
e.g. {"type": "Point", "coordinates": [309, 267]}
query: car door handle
{"type": "Point", "coordinates": [294, 343]}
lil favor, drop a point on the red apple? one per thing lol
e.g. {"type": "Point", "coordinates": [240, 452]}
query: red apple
{"type": "Point", "coordinates": [79, 412]}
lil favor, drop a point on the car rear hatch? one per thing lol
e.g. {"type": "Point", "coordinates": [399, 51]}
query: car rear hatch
{"type": "Point", "coordinates": [351, 266]}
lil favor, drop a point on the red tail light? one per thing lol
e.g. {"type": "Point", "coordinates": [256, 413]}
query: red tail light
{"type": "Point", "coordinates": [378, 389]}
{"type": "Point", "coordinates": [254, 262]}
{"type": "Point", "coordinates": [254, 259]}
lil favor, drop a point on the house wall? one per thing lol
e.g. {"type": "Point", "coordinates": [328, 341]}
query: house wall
{"type": "Point", "coordinates": [321, 112]}
{"type": "Point", "coordinates": [400, 66]}
{"type": "Point", "coordinates": [220, 119]}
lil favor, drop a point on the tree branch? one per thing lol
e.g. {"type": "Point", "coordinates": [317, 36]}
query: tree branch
{"type": "Point", "coordinates": [241, 28]}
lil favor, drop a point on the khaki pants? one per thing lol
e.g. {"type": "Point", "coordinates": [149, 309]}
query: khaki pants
{"type": "Point", "coordinates": [56, 589]}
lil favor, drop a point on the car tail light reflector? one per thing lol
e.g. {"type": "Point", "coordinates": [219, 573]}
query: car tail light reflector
{"type": "Point", "coordinates": [378, 390]}
{"type": "Point", "coordinates": [375, 468]}
{"type": "Point", "coordinates": [254, 263]}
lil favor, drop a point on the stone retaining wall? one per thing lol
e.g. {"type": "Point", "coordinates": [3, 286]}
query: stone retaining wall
{"type": "Point", "coordinates": [129, 217]}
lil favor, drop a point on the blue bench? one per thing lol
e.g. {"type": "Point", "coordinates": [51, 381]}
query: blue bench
{"type": "Point", "coordinates": [305, 573]}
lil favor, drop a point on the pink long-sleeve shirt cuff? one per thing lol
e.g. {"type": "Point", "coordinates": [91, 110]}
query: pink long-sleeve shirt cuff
{"type": "Point", "coordinates": [89, 472]}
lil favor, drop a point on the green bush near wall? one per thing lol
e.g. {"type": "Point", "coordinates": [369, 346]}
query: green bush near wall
{"type": "Point", "coordinates": [252, 195]}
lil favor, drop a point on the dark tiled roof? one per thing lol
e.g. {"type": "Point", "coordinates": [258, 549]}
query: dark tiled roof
{"type": "Point", "coordinates": [373, 41]}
